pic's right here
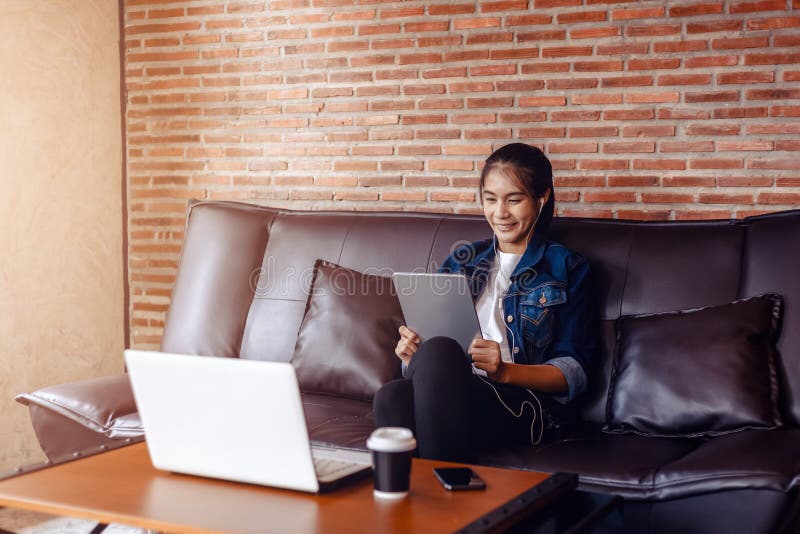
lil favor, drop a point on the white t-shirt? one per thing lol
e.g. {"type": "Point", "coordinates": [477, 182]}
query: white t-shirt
{"type": "Point", "coordinates": [490, 303]}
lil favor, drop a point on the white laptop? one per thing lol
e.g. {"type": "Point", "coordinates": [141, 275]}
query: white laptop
{"type": "Point", "coordinates": [233, 419]}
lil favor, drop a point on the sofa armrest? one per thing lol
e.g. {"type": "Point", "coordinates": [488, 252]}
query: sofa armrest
{"type": "Point", "coordinates": [104, 405]}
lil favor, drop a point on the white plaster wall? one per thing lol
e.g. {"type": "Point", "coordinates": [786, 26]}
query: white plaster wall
{"type": "Point", "coordinates": [61, 280]}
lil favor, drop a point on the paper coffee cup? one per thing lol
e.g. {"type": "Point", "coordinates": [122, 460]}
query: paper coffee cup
{"type": "Point", "coordinates": [391, 448]}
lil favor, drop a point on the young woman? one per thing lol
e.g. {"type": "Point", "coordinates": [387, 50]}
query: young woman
{"type": "Point", "coordinates": [538, 323]}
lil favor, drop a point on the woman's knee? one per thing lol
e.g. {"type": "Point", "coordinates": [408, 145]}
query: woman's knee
{"type": "Point", "coordinates": [439, 355]}
{"type": "Point", "coordinates": [442, 345]}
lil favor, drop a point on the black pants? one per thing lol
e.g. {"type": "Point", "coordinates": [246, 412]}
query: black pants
{"type": "Point", "coordinates": [453, 412]}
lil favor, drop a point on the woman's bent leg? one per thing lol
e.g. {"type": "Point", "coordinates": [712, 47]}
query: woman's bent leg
{"type": "Point", "coordinates": [443, 409]}
{"type": "Point", "coordinates": [453, 413]}
{"type": "Point", "coordinates": [393, 404]}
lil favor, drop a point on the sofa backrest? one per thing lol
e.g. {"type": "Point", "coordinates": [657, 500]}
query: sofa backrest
{"type": "Point", "coordinates": [222, 250]}
{"type": "Point", "coordinates": [650, 268]}
{"type": "Point", "coordinates": [379, 242]}
{"type": "Point", "coordinates": [245, 271]}
{"type": "Point", "coordinates": [771, 263]}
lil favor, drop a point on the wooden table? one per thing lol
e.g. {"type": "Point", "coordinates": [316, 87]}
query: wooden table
{"type": "Point", "coordinates": [121, 486]}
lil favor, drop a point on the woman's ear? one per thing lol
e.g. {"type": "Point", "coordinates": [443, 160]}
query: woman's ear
{"type": "Point", "coordinates": [544, 198]}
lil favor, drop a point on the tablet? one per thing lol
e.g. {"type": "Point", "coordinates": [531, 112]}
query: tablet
{"type": "Point", "coordinates": [438, 305]}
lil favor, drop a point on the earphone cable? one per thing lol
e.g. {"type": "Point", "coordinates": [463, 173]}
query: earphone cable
{"type": "Point", "coordinates": [536, 415]}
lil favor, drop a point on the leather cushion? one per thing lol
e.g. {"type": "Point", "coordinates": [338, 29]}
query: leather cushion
{"type": "Point", "coordinates": [701, 372]}
{"type": "Point", "coordinates": [621, 464]}
{"type": "Point", "coordinates": [104, 404]}
{"type": "Point", "coordinates": [334, 421]}
{"type": "Point", "coordinates": [750, 459]}
{"type": "Point", "coordinates": [346, 341]}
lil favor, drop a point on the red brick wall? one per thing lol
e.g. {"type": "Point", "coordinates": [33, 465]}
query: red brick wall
{"type": "Point", "coordinates": [648, 110]}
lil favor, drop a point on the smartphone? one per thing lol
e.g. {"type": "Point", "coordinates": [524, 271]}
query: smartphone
{"type": "Point", "coordinates": [459, 478]}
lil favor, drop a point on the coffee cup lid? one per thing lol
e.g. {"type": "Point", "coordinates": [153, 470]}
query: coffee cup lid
{"type": "Point", "coordinates": [392, 439]}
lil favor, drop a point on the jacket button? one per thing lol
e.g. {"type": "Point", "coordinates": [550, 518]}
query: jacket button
{"type": "Point", "coordinates": [543, 300]}
{"type": "Point", "coordinates": [510, 319]}
{"type": "Point", "coordinates": [516, 350]}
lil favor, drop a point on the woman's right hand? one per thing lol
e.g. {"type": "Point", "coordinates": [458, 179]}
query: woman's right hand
{"type": "Point", "coordinates": [408, 344]}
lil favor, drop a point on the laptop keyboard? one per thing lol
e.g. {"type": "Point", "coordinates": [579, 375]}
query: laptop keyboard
{"type": "Point", "coordinates": [327, 468]}
{"type": "Point", "coordinates": [331, 464]}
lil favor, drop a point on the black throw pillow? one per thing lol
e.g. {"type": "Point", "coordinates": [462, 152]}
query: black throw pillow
{"type": "Point", "coordinates": [346, 341]}
{"type": "Point", "coordinates": [700, 372]}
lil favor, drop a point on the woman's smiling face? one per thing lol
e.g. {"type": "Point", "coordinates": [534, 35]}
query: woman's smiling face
{"type": "Point", "coordinates": [510, 211]}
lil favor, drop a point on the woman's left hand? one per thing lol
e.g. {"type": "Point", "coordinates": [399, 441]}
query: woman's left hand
{"type": "Point", "coordinates": [486, 355]}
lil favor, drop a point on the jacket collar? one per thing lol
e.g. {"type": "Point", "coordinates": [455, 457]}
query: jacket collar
{"type": "Point", "coordinates": [533, 254]}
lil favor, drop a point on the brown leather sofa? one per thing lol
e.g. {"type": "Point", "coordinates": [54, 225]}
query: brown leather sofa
{"type": "Point", "coordinates": [740, 482]}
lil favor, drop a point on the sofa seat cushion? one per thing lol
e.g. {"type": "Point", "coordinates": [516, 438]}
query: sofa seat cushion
{"type": "Point", "coordinates": [337, 420]}
{"type": "Point", "coordinates": [754, 459]}
{"type": "Point", "coordinates": [646, 468]}
{"type": "Point", "coordinates": [622, 464]}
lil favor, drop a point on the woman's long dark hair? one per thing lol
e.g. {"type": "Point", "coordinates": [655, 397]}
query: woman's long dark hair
{"type": "Point", "coordinates": [530, 168]}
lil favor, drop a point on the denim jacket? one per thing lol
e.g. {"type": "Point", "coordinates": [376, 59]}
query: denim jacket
{"type": "Point", "coordinates": [548, 306]}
